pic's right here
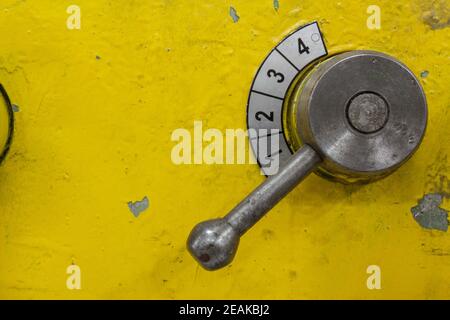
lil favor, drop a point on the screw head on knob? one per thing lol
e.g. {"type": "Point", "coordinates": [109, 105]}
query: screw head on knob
{"type": "Point", "coordinates": [367, 112]}
{"type": "Point", "coordinates": [213, 243]}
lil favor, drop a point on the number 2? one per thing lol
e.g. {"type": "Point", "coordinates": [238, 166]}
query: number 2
{"type": "Point", "coordinates": [260, 114]}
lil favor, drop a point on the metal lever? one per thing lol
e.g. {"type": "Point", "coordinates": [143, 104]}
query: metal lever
{"type": "Point", "coordinates": [214, 243]}
{"type": "Point", "coordinates": [363, 112]}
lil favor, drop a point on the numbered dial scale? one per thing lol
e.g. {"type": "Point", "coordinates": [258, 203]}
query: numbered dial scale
{"type": "Point", "coordinates": [270, 92]}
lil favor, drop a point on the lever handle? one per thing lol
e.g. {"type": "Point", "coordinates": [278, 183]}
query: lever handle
{"type": "Point", "coordinates": [214, 243]}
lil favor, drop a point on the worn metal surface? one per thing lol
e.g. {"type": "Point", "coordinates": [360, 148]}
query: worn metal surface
{"type": "Point", "coordinates": [97, 107]}
{"type": "Point", "coordinates": [329, 94]}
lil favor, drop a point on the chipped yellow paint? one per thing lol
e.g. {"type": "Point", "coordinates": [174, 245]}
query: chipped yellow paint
{"type": "Point", "coordinates": [97, 109]}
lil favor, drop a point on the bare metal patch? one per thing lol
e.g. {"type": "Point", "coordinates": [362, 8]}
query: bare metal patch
{"type": "Point", "coordinates": [234, 15]}
{"type": "Point", "coordinates": [276, 5]}
{"type": "Point", "coordinates": [428, 213]}
{"type": "Point", "coordinates": [424, 73]}
{"type": "Point", "coordinates": [139, 206]}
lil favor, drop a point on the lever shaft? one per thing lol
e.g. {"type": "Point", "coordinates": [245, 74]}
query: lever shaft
{"type": "Point", "coordinates": [214, 243]}
{"type": "Point", "coordinates": [272, 190]}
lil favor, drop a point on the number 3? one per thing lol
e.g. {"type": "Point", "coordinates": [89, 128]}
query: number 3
{"type": "Point", "coordinates": [272, 73]}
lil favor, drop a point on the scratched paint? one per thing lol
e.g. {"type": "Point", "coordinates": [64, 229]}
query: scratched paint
{"type": "Point", "coordinates": [93, 134]}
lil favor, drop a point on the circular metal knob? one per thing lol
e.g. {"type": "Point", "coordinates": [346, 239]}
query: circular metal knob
{"type": "Point", "coordinates": [364, 112]}
{"type": "Point", "coordinates": [359, 115]}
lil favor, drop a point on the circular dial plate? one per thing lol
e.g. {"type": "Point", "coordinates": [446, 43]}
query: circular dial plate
{"type": "Point", "coordinates": [269, 90]}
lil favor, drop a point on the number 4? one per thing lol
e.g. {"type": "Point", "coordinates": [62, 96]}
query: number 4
{"type": "Point", "coordinates": [302, 47]}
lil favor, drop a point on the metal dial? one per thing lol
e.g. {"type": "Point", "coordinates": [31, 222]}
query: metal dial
{"type": "Point", "coordinates": [270, 88]}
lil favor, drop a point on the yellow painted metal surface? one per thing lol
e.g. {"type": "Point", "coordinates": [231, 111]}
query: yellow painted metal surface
{"type": "Point", "coordinates": [97, 107]}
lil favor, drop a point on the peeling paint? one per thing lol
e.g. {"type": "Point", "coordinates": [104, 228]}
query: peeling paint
{"type": "Point", "coordinates": [276, 5]}
{"type": "Point", "coordinates": [15, 108]}
{"type": "Point", "coordinates": [428, 213]}
{"type": "Point", "coordinates": [424, 73]}
{"type": "Point", "coordinates": [139, 206]}
{"type": "Point", "coordinates": [234, 15]}
{"type": "Point", "coordinates": [434, 22]}
{"type": "Point", "coordinates": [436, 14]}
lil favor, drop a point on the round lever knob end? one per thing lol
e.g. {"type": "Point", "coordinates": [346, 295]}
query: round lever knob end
{"type": "Point", "coordinates": [213, 243]}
